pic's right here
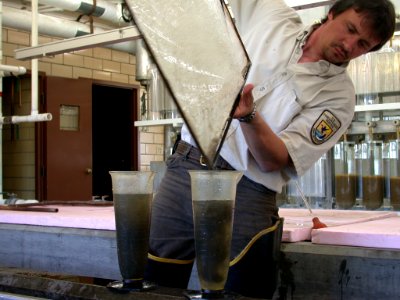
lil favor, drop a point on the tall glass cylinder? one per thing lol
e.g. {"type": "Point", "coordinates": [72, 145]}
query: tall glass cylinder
{"type": "Point", "coordinates": [394, 156]}
{"type": "Point", "coordinates": [386, 174]}
{"type": "Point", "coordinates": [213, 196]}
{"type": "Point", "coordinates": [132, 194]}
{"type": "Point", "coordinates": [373, 182]}
{"type": "Point", "coordinates": [345, 175]}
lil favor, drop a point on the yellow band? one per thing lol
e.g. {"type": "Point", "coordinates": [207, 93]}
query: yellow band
{"type": "Point", "coordinates": [253, 240]}
{"type": "Point", "coordinates": [170, 260]}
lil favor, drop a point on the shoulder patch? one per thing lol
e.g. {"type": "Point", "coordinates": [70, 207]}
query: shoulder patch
{"type": "Point", "coordinates": [325, 126]}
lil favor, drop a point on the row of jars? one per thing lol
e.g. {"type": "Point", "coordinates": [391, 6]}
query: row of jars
{"type": "Point", "coordinates": [369, 171]}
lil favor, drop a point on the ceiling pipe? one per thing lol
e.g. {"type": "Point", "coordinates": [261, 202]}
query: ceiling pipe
{"type": "Point", "coordinates": [28, 118]}
{"type": "Point", "coordinates": [56, 27]}
{"type": "Point", "coordinates": [103, 9]}
{"type": "Point", "coordinates": [143, 62]}
{"type": "Point", "coordinates": [6, 70]}
{"type": "Point", "coordinates": [52, 26]}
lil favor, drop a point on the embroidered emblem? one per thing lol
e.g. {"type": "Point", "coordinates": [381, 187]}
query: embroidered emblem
{"type": "Point", "coordinates": [326, 125]}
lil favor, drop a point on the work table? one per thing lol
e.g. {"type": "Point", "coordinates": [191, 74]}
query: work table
{"type": "Point", "coordinates": [81, 241]}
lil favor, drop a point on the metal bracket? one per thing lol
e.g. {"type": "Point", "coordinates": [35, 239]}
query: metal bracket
{"type": "Point", "coordinates": [79, 43]}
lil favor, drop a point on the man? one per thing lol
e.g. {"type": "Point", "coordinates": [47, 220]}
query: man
{"type": "Point", "coordinates": [298, 103]}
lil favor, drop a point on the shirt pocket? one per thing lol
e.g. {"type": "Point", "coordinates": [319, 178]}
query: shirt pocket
{"type": "Point", "coordinates": [279, 107]}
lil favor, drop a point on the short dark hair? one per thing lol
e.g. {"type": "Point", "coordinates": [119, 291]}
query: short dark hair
{"type": "Point", "coordinates": [380, 15]}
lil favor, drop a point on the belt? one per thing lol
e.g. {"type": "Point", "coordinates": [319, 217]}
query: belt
{"type": "Point", "coordinates": [191, 152]}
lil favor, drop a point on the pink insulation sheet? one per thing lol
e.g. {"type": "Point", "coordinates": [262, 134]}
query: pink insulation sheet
{"type": "Point", "coordinates": [298, 222]}
{"type": "Point", "coordinates": [382, 233]}
{"type": "Point", "coordinates": [345, 227]}
{"type": "Point", "coordinates": [88, 217]}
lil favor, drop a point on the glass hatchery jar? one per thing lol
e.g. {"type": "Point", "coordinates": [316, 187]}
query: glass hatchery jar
{"type": "Point", "coordinates": [345, 175]}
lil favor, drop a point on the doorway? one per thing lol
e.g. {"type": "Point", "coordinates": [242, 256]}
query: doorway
{"type": "Point", "coordinates": [49, 161]}
{"type": "Point", "coordinates": [114, 138]}
{"type": "Point", "coordinates": [92, 133]}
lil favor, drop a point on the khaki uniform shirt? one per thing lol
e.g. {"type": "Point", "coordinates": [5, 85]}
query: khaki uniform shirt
{"type": "Point", "coordinates": [308, 105]}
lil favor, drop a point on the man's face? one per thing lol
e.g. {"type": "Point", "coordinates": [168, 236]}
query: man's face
{"type": "Point", "coordinates": [345, 37]}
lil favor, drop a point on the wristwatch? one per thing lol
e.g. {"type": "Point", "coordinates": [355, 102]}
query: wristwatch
{"type": "Point", "coordinates": [250, 116]}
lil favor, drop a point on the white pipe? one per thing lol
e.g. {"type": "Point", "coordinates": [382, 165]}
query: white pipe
{"type": "Point", "coordinates": [56, 27]}
{"type": "Point", "coordinates": [21, 19]}
{"type": "Point", "coordinates": [29, 118]}
{"type": "Point", "coordinates": [35, 62]}
{"type": "Point", "coordinates": [142, 61]}
{"type": "Point", "coordinates": [104, 9]}
{"type": "Point", "coordinates": [11, 70]}
{"type": "Point", "coordinates": [26, 119]}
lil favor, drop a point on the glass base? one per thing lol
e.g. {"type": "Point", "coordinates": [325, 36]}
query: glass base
{"type": "Point", "coordinates": [126, 286]}
{"type": "Point", "coordinates": [207, 295]}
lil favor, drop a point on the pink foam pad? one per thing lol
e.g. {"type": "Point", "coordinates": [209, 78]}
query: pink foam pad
{"type": "Point", "coordinates": [383, 233]}
{"type": "Point", "coordinates": [297, 225]}
{"type": "Point", "coordinates": [298, 222]}
{"type": "Point", "coordinates": [88, 217]}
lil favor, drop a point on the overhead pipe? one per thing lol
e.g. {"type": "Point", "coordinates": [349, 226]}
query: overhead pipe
{"type": "Point", "coordinates": [103, 9]}
{"type": "Point", "coordinates": [6, 70]}
{"type": "Point", "coordinates": [56, 27]}
{"type": "Point", "coordinates": [143, 62]}
{"type": "Point", "coordinates": [29, 118]}
{"type": "Point", "coordinates": [52, 26]}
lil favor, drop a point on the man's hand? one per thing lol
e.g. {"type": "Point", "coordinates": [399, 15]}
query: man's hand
{"type": "Point", "coordinates": [266, 147]}
{"type": "Point", "coordinates": [245, 105]}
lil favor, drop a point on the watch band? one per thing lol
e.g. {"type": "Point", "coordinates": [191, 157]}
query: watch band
{"type": "Point", "coordinates": [250, 116]}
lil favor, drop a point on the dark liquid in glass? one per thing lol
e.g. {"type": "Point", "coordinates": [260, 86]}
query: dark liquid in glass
{"type": "Point", "coordinates": [373, 189]}
{"type": "Point", "coordinates": [345, 190]}
{"type": "Point", "coordinates": [132, 221]}
{"type": "Point", "coordinates": [395, 192]}
{"type": "Point", "coordinates": [213, 233]}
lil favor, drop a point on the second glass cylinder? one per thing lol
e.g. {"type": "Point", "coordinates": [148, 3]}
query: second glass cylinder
{"type": "Point", "coordinates": [373, 182]}
{"type": "Point", "coordinates": [394, 155]}
{"type": "Point", "coordinates": [345, 175]}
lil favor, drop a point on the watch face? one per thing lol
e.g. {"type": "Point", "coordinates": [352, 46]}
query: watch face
{"type": "Point", "coordinates": [202, 60]}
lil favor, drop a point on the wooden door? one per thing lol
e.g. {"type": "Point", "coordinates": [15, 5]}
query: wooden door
{"type": "Point", "coordinates": [68, 142]}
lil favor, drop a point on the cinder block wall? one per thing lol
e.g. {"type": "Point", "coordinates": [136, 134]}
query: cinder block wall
{"type": "Point", "coordinates": [95, 63]}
